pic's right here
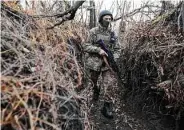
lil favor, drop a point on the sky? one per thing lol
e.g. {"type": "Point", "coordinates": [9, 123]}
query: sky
{"type": "Point", "coordinates": [108, 3]}
{"type": "Point", "coordinates": [134, 5]}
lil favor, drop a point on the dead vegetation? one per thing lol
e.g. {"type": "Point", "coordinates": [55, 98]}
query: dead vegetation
{"type": "Point", "coordinates": [41, 68]}
{"type": "Point", "coordinates": [152, 65]}
{"type": "Point", "coordinates": [39, 74]}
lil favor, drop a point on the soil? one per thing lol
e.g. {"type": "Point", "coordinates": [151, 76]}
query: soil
{"type": "Point", "coordinates": [125, 116]}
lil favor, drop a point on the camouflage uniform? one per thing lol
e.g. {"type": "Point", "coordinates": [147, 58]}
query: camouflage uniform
{"type": "Point", "coordinates": [94, 62]}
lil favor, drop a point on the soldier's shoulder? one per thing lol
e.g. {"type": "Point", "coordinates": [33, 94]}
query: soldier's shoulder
{"type": "Point", "coordinates": [94, 30]}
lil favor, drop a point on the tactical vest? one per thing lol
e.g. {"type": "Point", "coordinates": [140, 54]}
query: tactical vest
{"type": "Point", "coordinates": [93, 60]}
{"type": "Point", "coordinates": [107, 36]}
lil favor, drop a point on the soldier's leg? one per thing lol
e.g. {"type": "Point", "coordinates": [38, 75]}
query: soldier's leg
{"type": "Point", "coordinates": [109, 82]}
{"type": "Point", "coordinates": [94, 75]}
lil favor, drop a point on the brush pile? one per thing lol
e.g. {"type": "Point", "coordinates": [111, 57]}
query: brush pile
{"type": "Point", "coordinates": [152, 64]}
{"type": "Point", "coordinates": [39, 74]}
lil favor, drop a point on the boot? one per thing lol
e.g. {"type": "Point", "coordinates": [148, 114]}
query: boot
{"type": "Point", "coordinates": [96, 93]}
{"type": "Point", "coordinates": [107, 110]}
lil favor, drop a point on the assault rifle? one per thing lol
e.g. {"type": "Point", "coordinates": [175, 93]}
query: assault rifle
{"type": "Point", "coordinates": [110, 59]}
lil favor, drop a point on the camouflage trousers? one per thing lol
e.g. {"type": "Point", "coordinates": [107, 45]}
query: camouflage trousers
{"type": "Point", "coordinates": [108, 82]}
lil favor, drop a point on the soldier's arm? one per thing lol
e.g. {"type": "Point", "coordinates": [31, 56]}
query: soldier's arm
{"type": "Point", "coordinates": [88, 46]}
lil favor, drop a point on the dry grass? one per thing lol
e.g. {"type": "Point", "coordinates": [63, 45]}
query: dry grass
{"type": "Point", "coordinates": [152, 65]}
{"type": "Point", "coordinates": [39, 74]}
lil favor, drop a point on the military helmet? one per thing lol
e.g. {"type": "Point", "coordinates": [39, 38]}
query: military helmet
{"type": "Point", "coordinates": [103, 13]}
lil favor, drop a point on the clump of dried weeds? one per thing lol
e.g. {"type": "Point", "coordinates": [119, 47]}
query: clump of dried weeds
{"type": "Point", "coordinates": [39, 74]}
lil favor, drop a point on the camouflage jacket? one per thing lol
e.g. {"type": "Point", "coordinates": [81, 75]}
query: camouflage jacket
{"type": "Point", "coordinates": [92, 58]}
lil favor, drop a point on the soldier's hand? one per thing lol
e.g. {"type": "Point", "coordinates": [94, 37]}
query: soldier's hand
{"type": "Point", "coordinates": [103, 53]}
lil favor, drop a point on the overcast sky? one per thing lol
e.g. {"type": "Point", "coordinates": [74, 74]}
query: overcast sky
{"type": "Point", "coordinates": [133, 5]}
{"type": "Point", "coordinates": [107, 4]}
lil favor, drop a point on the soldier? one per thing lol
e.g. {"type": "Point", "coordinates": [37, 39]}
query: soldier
{"type": "Point", "coordinates": [95, 63]}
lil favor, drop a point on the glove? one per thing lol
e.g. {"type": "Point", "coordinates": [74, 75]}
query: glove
{"type": "Point", "coordinates": [103, 53]}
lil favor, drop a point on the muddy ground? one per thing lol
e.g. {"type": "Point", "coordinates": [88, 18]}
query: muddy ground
{"type": "Point", "coordinates": [126, 117]}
